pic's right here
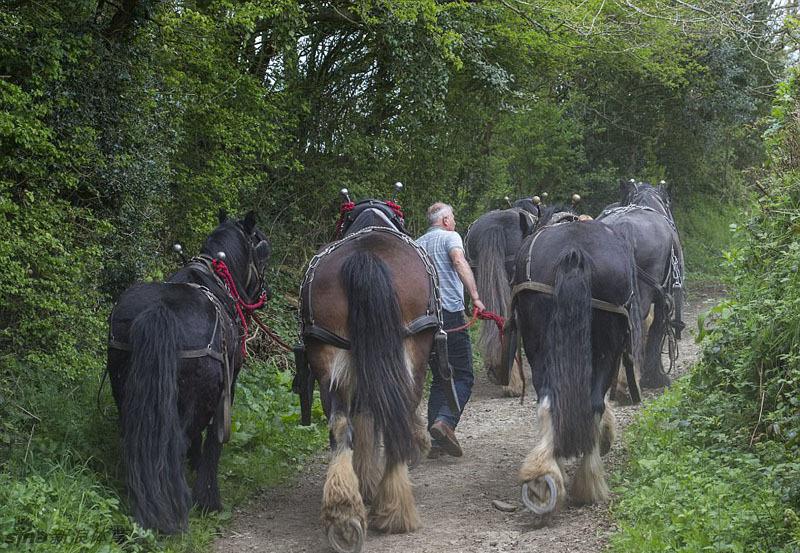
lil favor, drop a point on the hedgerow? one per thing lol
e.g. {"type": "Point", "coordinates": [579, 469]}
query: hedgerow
{"type": "Point", "coordinates": [714, 464]}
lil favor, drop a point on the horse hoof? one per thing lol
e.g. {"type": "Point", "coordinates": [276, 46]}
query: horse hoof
{"type": "Point", "coordinates": [349, 539]}
{"type": "Point", "coordinates": [534, 503]}
{"type": "Point", "coordinates": [653, 381]}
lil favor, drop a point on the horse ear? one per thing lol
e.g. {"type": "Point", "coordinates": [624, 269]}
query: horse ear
{"type": "Point", "coordinates": [249, 222]}
{"type": "Point", "coordinates": [223, 215]}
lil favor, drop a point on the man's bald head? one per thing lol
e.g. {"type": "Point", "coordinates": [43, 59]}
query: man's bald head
{"type": "Point", "coordinates": [437, 211]}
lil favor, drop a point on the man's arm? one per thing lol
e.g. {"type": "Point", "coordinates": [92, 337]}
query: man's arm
{"type": "Point", "coordinates": [467, 278]}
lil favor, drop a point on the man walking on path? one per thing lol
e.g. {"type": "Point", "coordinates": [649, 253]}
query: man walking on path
{"type": "Point", "coordinates": [446, 249]}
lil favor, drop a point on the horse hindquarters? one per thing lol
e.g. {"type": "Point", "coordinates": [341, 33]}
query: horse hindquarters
{"type": "Point", "coordinates": [153, 441]}
{"type": "Point", "coordinates": [565, 424]}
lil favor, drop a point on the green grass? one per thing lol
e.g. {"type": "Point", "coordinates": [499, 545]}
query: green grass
{"type": "Point", "coordinates": [63, 492]}
{"type": "Point", "coordinates": [690, 486]}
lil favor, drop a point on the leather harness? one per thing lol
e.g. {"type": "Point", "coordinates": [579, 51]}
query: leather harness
{"type": "Point", "coordinates": [541, 287]}
{"type": "Point", "coordinates": [202, 264]}
{"type": "Point", "coordinates": [534, 286]}
{"type": "Point", "coordinates": [309, 328]}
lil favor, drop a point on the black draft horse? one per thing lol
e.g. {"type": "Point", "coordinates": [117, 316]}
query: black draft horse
{"type": "Point", "coordinates": [491, 244]}
{"type": "Point", "coordinates": [175, 350]}
{"type": "Point", "coordinates": [370, 313]}
{"type": "Point", "coordinates": [645, 218]}
{"type": "Point", "coordinates": [575, 286]}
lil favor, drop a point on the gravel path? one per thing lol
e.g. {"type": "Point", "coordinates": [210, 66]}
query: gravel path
{"type": "Point", "coordinates": [454, 496]}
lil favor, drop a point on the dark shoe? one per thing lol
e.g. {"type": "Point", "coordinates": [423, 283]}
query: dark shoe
{"type": "Point", "coordinates": [446, 437]}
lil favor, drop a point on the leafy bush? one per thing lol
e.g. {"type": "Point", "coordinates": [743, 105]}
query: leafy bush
{"type": "Point", "coordinates": [704, 225]}
{"type": "Point", "coordinates": [714, 463]}
{"type": "Point", "coordinates": [65, 509]}
{"type": "Point", "coordinates": [692, 486]}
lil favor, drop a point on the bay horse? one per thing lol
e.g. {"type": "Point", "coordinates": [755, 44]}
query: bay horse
{"type": "Point", "coordinates": [370, 316]}
{"type": "Point", "coordinates": [574, 302]}
{"type": "Point", "coordinates": [491, 245]}
{"type": "Point", "coordinates": [645, 218]}
{"type": "Point", "coordinates": [175, 350]}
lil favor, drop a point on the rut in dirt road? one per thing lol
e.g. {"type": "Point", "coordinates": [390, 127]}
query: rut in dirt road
{"type": "Point", "coordinates": [454, 496]}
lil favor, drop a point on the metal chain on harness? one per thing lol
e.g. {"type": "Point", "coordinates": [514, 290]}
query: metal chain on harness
{"type": "Point", "coordinates": [631, 207]}
{"type": "Point", "coordinates": [308, 278]}
{"type": "Point", "coordinates": [674, 280]}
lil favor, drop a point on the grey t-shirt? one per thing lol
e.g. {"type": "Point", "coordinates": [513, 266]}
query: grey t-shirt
{"type": "Point", "coordinates": [438, 243]}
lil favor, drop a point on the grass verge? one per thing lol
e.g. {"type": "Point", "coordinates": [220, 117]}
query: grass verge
{"type": "Point", "coordinates": [692, 485]}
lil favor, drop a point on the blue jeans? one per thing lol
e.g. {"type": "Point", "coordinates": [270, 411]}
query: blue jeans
{"type": "Point", "coordinates": [459, 355]}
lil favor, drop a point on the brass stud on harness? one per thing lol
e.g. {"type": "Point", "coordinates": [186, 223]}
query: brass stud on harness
{"type": "Point", "coordinates": [345, 194]}
{"type": "Point", "coordinates": [221, 256]}
{"type": "Point", "coordinates": [576, 198]}
{"type": "Point", "coordinates": [536, 200]}
{"type": "Point", "coordinates": [178, 249]}
{"type": "Point", "coordinates": [398, 187]}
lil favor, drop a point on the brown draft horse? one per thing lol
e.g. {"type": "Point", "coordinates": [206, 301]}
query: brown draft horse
{"type": "Point", "coordinates": [369, 311]}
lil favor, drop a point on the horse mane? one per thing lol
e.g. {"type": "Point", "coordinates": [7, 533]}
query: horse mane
{"type": "Point", "coordinates": [547, 213]}
{"type": "Point", "coordinates": [229, 237]}
{"type": "Point", "coordinates": [527, 204]}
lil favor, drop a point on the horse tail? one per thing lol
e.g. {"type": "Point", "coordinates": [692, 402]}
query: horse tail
{"type": "Point", "coordinates": [383, 384]}
{"type": "Point", "coordinates": [569, 357]}
{"type": "Point", "coordinates": [493, 288]}
{"type": "Point", "coordinates": [153, 442]}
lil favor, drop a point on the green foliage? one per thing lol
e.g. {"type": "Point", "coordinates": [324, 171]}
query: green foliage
{"type": "Point", "coordinates": [691, 485]}
{"type": "Point", "coordinates": [123, 131]}
{"type": "Point", "coordinates": [65, 508]}
{"type": "Point", "coordinates": [704, 224]}
{"type": "Point", "coordinates": [714, 463]}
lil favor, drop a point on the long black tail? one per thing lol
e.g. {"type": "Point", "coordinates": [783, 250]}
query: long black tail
{"type": "Point", "coordinates": [493, 289]}
{"type": "Point", "coordinates": [383, 383]}
{"type": "Point", "coordinates": [153, 442]}
{"type": "Point", "coordinates": [569, 356]}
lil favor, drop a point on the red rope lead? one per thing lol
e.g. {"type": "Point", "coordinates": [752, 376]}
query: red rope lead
{"type": "Point", "coordinates": [271, 333]}
{"type": "Point", "coordinates": [484, 315]}
{"type": "Point", "coordinates": [242, 309]}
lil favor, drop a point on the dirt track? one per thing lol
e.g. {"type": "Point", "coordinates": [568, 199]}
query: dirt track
{"type": "Point", "coordinates": [454, 496]}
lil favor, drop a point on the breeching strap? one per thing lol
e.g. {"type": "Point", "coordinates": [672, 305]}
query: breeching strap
{"type": "Point", "coordinates": [484, 315]}
{"type": "Point", "coordinates": [547, 289]}
{"type": "Point", "coordinates": [242, 309]}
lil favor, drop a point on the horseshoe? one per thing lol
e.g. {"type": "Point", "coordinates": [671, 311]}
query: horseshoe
{"type": "Point", "coordinates": [333, 539]}
{"type": "Point", "coordinates": [549, 506]}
